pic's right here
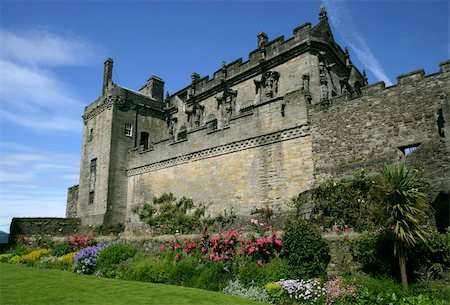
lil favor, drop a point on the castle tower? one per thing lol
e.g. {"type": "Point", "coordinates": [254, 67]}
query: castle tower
{"type": "Point", "coordinates": [118, 121]}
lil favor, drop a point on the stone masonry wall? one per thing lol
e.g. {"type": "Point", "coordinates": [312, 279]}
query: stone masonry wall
{"type": "Point", "coordinates": [263, 157]}
{"type": "Point", "coordinates": [368, 131]}
{"type": "Point", "coordinates": [72, 201]}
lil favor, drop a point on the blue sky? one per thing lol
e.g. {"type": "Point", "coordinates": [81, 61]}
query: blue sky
{"type": "Point", "coordinates": [52, 54]}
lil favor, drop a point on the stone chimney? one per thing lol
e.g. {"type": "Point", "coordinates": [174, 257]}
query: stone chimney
{"type": "Point", "coordinates": [155, 88]}
{"type": "Point", "coordinates": [107, 74]}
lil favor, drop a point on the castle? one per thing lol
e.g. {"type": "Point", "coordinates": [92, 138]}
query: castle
{"type": "Point", "coordinates": [259, 132]}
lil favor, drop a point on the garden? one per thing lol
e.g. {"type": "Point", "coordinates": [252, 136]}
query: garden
{"type": "Point", "coordinates": [395, 255]}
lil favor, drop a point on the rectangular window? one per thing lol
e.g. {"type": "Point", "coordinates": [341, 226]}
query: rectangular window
{"type": "Point", "coordinates": [93, 165]}
{"type": "Point", "coordinates": [128, 129]}
{"type": "Point", "coordinates": [409, 149]}
{"type": "Point", "coordinates": [91, 197]}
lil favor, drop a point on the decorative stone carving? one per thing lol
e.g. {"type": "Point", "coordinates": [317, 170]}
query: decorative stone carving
{"type": "Point", "coordinates": [172, 127]}
{"type": "Point", "coordinates": [267, 87]}
{"type": "Point", "coordinates": [324, 76]}
{"type": "Point", "coordinates": [195, 115]}
{"type": "Point", "coordinates": [227, 105]}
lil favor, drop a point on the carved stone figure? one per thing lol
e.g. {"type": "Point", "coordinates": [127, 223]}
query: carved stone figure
{"type": "Point", "coordinates": [227, 104]}
{"type": "Point", "coordinates": [267, 87]}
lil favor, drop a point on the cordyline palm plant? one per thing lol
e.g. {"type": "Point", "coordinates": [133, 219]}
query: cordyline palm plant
{"type": "Point", "coordinates": [404, 205]}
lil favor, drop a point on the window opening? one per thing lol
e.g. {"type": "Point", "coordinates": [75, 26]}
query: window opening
{"type": "Point", "coordinates": [128, 129]}
{"type": "Point", "coordinates": [409, 149]}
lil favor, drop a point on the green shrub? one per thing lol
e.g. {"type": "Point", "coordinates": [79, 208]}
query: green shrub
{"type": "Point", "coordinates": [276, 292]}
{"type": "Point", "coordinates": [374, 252]}
{"type": "Point", "coordinates": [431, 260]}
{"type": "Point", "coordinates": [61, 249]}
{"type": "Point", "coordinates": [109, 258]}
{"type": "Point", "coordinates": [427, 261]}
{"type": "Point", "coordinates": [306, 251]}
{"type": "Point", "coordinates": [145, 269]}
{"type": "Point", "coordinates": [250, 274]}
{"type": "Point", "coordinates": [185, 272]}
{"type": "Point", "coordinates": [4, 258]}
{"type": "Point", "coordinates": [213, 276]}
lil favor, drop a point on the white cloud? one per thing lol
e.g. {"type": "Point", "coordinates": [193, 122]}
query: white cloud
{"type": "Point", "coordinates": [31, 94]}
{"type": "Point", "coordinates": [33, 182]}
{"type": "Point", "coordinates": [342, 22]}
{"type": "Point", "coordinates": [44, 48]}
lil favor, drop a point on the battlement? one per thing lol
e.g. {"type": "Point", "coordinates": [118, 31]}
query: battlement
{"type": "Point", "coordinates": [403, 80]}
{"type": "Point", "coordinates": [269, 54]}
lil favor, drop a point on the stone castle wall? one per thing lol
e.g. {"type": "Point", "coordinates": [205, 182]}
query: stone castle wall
{"type": "Point", "coordinates": [370, 130]}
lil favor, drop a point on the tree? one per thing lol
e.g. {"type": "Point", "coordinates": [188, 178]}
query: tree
{"type": "Point", "coordinates": [403, 204]}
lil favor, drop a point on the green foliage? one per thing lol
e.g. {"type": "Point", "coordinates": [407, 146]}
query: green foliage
{"type": "Point", "coordinates": [374, 252]}
{"type": "Point", "coordinates": [431, 259]}
{"type": "Point", "coordinates": [145, 269]}
{"type": "Point", "coordinates": [166, 215]}
{"type": "Point", "coordinates": [185, 272]}
{"type": "Point", "coordinates": [61, 248]}
{"type": "Point", "coordinates": [110, 257]}
{"type": "Point", "coordinates": [249, 273]}
{"type": "Point", "coordinates": [402, 196]}
{"type": "Point", "coordinates": [276, 292]}
{"type": "Point", "coordinates": [213, 276]}
{"type": "Point", "coordinates": [404, 205]}
{"type": "Point", "coordinates": [306, 251]}
{"type": "Point", "coordinates": [345, 202]}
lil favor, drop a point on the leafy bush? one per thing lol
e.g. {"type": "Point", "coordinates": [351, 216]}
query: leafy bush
{"type": "Point", "coordinates": [167, 216]}
{"type": "Point", "coordinates": [110, 257]}
{"type": "Point", "coordinates": [254, 293]}
{"type": "Point", "coordinates": [427, 261]}
{"type": "Point", "coordinates": [431, 260]}
{"type": "Point", "coordinates": [185, 272]}
{"type": "Point", "coordinates": [345, 202]}
{"type": "Point", "coordinates": [86, 260]}
{"type": "Point", "coordinates": [250, 274]}
{"type": "Point", "coordinates": [145, 269]}
{"type": "Point", "coordinates": [276, 292]}
{"type": "Point", "coordinates": [5, 257]}
{"type": "Point", "coordinates": [305, 250]}
{"type": "Point", "coordinates": [374, 252]}
{"type": "Point", "coordinates": [48, 262]}
{"type": "Point", "coordinates": [213, 276]}
{"type": "Point", "coordinates": [62, 249]}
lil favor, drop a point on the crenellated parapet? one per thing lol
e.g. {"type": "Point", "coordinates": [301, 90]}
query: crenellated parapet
{"type": "Point", "coordinates": [403, 80]}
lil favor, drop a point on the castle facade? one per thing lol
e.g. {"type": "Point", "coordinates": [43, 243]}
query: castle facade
{"type": "Point", "coordinates": [258, 132]}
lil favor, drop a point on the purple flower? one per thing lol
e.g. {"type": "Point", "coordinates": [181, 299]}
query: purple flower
{"type": "Point", "coordinates": [86, 260]}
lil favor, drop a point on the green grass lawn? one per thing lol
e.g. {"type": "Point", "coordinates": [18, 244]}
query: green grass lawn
{"type": "Point", "coordinates": [22, 285]}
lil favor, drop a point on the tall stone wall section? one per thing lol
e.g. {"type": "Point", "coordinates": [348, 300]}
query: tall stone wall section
{"type": "Point", "coordinates": [368, 131]}
{"type": "Point", "coordinates": [262, 157]}
{"type": "Point", "coordinates": [72, 202]}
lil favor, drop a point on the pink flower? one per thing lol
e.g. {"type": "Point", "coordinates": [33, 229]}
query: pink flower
{"type": "Point", "coordinates": [254, 221]}
{"type": "Point", "coordinates": [162, 248]}
{"type": "Point", "coordinates": [259, 262]}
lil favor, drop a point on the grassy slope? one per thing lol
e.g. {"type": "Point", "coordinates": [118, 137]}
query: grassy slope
{"type": "Point", "coordinates": [21, 285]}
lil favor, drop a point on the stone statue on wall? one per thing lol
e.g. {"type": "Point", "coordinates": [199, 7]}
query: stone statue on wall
{"type": "Point", "coordinates": [195, 115]}
{"type": "Point", "coordinates": [227, 105]}
{"type": "Point", "coordinates": [267, 87]}
{"type": "Point", "coordinates": [172, 122]}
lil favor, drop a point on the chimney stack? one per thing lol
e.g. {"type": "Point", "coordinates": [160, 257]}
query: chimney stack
{"type": "Point", "coordinates": [107, 74]}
